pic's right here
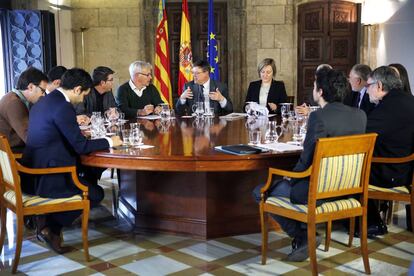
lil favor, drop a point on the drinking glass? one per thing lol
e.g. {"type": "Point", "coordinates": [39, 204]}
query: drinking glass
{"type": "Point", "coordinates": [271, 132]}
{"type": "Point", "coordinates": [255, 137]}
{"type": "Point", "coordinates": [198, 109]}
{"type": "Point", "coordinates": [125, 136]}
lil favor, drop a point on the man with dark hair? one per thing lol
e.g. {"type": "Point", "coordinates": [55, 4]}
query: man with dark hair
{"type": "Point", "coordinates": [393, 120]}
{"type": "Point", "coordinates": [14, 106]}
{"type": "Point", "coordinates": [54, 140]}
{"type": "Point", "coordinates": [55, 74]}
{"type": "Point", "coordinates": [331, 120]}
{"type": "Point", "coordinates": [138, 97]}
{"type": "Point", "coordinates": [358, 77]}
{"type": "Point", "coordinates": [100, 98]}
{"type": "Point", "coordinates": [204, 89]}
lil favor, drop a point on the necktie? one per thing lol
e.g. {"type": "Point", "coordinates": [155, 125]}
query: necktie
{"type": "Point", "coordinates": [356, 99]}
{"type": "Point", "coordinates": [201, 93]}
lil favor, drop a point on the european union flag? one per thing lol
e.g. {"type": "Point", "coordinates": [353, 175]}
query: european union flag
{"type": "Point", "coordinates": [212, 49]}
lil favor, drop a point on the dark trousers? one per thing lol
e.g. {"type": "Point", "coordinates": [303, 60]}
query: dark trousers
{"type": "Point", "coordinates": [298, 194]}
{"type": "Point", "coordinates": [90, 176]}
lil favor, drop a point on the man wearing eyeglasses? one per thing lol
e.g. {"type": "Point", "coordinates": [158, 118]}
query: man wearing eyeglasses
{"type": "Point", "coordinates": [203, 89]}
{"type": "Point", "coordinates": [100, 98]}
{"type": "Point", "coordinates": [393, 120]}
{"type": "Point", "coordinates": [138, 97]}
{"type": "Point", "coordinates": [15, 105]}
{"type": "Point", "coordinates": [358, 77]}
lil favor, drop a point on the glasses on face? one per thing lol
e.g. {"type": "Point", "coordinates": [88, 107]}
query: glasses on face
{"type": "Point", "coordinates": [369, 84]}
{"type": "Point", "coordinates": [147, 74]}
{"type": "Point", "coordinates": [42, 89]}
{"type": "Point", "coordinates": [195, 73]}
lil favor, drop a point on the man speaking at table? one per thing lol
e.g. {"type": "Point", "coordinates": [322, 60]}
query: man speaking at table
{"type": "Point", "coordinates": [55, 140]}
{"type": "Point", "coordinates": [203, 89]}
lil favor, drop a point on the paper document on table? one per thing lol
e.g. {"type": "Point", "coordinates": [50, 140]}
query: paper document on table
{"type": "Point", "coordinates": [280, 147]}
{"type": "Point", "coordinates": [233, 116]}
{"type": "Point", "coordinates": [150, 117]}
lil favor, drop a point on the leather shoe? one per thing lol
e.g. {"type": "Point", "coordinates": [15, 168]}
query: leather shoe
{"type": "Point", "coordinates": [53, 241]}
{"type": "Point", "coordinates": [300, 251]}
{"type": "Point", "coordinates": [373, 230]}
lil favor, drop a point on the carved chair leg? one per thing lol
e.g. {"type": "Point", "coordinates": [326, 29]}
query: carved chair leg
{"type": "Point", "coordinates": [3, 216]}
{"type": "Point", "coordinates": [19, 238]}
{"type": "Point", "coordinates": [85, 220]}
{"type": "Point", "coordinates": [351, 230]}
{"type": "Point", "coordinates": [312, 247]}
{"type": "Point", "coordinates": [328, 234]}
{"type": "Point", "coordinates": [263, 223]}
{"type": "Point", "coordinates": [364, 243]}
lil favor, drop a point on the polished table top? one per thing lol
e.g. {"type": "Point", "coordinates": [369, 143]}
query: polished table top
{"type": "Point", "coordinates": [188, 145]}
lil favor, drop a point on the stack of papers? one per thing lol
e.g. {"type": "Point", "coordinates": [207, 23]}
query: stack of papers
{"type": "Point", "coordinates": [234, 116]}
{"type": "Point", "coordinates": [280, 147]}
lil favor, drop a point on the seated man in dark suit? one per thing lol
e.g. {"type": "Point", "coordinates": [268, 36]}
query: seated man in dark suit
{"type": "Point", "coordinates": [138, 97]}
{"type": "Point", "coordinates": [331, 120]}
{"type": "Point", "coordinates": [54, 140]}
{"type": "Point", "coordinates": [393, 120]}
{"type": "Point", "coordinates": [203, 89]}
{"type": "Point", "coordinates": [100, 98]}
{"type": "Point", "coordinates": [358, 77]}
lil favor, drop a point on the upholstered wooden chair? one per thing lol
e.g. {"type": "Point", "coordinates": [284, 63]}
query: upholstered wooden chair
{"type": "Point", "coordinates": [401, 193]}
{"type": "Point", "coordinates": [12, 198]}
{"type": "Point", "coordinates": [339, 174]}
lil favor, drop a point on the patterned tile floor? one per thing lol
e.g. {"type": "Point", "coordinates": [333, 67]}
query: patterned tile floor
{"type": "Point", "coordinates": [116, 251]}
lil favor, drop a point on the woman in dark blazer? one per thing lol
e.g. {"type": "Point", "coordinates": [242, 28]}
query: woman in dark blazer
{"type": "Point", "coordinates": [267, 91]}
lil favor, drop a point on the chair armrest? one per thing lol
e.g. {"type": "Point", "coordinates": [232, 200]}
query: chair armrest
{"type": "Point", "coordinates": [69, 169]}
{"type": "Point", "coordinates": [274, 171]}
{"type": "Point", "coordinates": [393, 160]}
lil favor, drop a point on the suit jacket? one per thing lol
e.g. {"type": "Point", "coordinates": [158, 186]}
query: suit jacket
{"type": "Point", "coordinates": [335, 119]}
{"type": "Point", "coordinates": [352, 100]}
{"type": "Point", "coordinates": [186, 108]}
{"type": "Point", "coordinates": [277, 93]}
{"type": "Point", "coordinates": [14, 117]}
{"type": "Point", "coordinates": [129, 102]}
{"type": "Point", "coordinates": [90, 104]}
{"type": "Point", "coordinates": [393, 120]}
{"type": "Point", "coordinates": [54, 140]}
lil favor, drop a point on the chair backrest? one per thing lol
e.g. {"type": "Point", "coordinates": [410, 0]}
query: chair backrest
{"type": "Point", "coordinates": [9, 178]}
{"type": "Point", "coordinates": [341, 166]}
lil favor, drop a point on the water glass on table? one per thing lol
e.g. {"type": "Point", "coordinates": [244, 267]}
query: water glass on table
{"type": "Point", "coordinates": [255, 137]}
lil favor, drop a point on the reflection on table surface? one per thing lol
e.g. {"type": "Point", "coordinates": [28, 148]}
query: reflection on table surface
{"type": "Point", "coordinates": [195, 138]}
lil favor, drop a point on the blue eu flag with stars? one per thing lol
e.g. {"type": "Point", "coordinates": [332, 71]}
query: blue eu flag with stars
{"type": "Point", "coordinates": [212, 48]}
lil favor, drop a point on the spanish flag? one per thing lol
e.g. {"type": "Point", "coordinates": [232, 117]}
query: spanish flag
{"type": "Point", "coordinates": [186, 56]}
{"type": "Point", "coordinates": [162, 80]}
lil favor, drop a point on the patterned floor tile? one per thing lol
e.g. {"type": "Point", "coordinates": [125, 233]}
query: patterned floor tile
{"type": "Point", "coordinates": [50, 266]}
{"type": "Point", "coordinates": [403, 250]}
{"type": "Point", "coordinates": [253, 266]}
{"type": "Point", "coordinates": [114, 250]}
{"type": "Point", "coordinates": [158, 265]}
{"type": "Point", "coordinates": [209, 251]}
{"type": "Point", "coordinates": [30, 249]}
{"type": "Point", "coordinates": [256, 238]}
{"type": "Point", "coordinates": [356, 267]}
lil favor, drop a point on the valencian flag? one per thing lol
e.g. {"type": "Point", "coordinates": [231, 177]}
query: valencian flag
{"type": "Point", "coordinates": [186, 56]}
{"type": "Point", "coordinates": [212, 50]}
{"type": "Point", "coordinates": [162, 75]}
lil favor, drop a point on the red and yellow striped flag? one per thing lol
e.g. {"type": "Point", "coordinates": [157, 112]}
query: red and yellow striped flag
{"type": "Point", "coordinates": [162, 80]}
{"type": "Point", "coordinates": [186, 56]}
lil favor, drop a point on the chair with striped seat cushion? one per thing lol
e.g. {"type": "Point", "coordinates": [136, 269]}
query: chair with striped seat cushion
{"type": "Point", "coordinates": [338, 177]}
{"type": "Point", "coordinates": [400, 193]}
{"type": "Point", "coordinates": [12, 198]}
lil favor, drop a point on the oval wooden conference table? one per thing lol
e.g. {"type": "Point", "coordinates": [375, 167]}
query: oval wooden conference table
{"type": "Point", "coordinates": [183, 185]}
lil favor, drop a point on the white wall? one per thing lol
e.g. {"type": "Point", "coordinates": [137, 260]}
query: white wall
{"type": "Point", "coordinates": [396, 38]}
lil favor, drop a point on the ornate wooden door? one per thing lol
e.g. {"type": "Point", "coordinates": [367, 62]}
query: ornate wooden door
{"type": "Point", "coordinates": [327, 33]}
{"type": "Point", "coordinates": [199, 28]}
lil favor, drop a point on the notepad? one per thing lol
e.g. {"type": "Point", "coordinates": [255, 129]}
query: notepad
{"type": "Point", "coordinates": [240, 149]}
